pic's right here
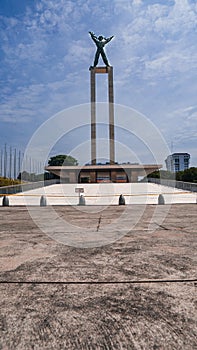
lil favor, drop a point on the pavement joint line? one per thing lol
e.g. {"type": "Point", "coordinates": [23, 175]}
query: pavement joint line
{"type": "Point", "coordinates": [194, 280]}
{"type": "Point", "coordinates": [165, 228]}
{"type": "Point", "coordinates": [99, 222]}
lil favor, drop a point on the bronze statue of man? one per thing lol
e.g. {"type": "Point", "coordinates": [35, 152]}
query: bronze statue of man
{"type": "Point", "coordinates": [100, 43]}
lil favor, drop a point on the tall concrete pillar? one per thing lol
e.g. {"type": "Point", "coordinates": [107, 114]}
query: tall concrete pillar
{"type": "Point", "coordinates": [93, 116]}
{"type": "Point", "coordinates": [111, 115]}
{"type": "Point", "coordinates": [93, 72]}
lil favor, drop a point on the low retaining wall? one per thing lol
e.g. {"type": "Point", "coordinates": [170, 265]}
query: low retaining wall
{"type": "Point", "coordinates": [186, 186]}
{"type": "Point", "coordinates": [26, 186]}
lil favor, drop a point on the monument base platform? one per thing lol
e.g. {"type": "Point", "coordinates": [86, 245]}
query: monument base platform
{"type": "Point", "coordinates": [116, 173]}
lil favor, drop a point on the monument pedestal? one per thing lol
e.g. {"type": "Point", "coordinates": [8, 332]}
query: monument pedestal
{"type": "Point", "coordinates": [109, 72]}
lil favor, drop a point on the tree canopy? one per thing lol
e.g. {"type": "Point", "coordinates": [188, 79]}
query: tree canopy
{"type": "Point", "coordinates": [62, 159]}
{"type": "Point", "coordinates": [163, 174]}
{"type": "Point", "coordinates": [188, 175]}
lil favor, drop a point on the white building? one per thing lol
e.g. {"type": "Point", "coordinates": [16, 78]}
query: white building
{"type": "Point", "coordinates": [177, 162]}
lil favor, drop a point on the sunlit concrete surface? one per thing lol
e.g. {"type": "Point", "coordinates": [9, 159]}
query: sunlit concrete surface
{"type": "Point", "coordinates": [138, 293]}
{"type": "Point", "coordinates": [103, 194]}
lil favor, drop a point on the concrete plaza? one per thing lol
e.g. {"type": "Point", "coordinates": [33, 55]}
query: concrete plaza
{"type": "Point", "coordinates": [103, 194]}
{"type": "Point", "coordinates": [137, 293]}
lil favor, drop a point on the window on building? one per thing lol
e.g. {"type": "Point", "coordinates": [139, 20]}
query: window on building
{"type": "Point", "coordinates": [176, 167]}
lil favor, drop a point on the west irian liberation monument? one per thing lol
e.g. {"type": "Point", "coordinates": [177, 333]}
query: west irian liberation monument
{"type": "Point", "coordinates": [110, 172]}
{"type": "Point", "coordinates": [100, 43]}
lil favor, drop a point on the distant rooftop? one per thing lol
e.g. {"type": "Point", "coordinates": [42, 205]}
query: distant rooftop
{"type": "Point", "coordinates": [180, 153]}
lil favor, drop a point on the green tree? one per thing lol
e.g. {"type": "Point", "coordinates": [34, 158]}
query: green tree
{"type": "Point", "coordinates": [155, 174]}
{"type": "Point", "coordinates": [62, 159]}
{"type": "Point", "coordinates": [164, 174]}
{"type": "Point", "coordinates": [179, 175]}
{"type": "Point", "coordinates": [188, 175]}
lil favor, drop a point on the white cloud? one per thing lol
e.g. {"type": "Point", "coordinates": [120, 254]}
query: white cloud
{"type": "Point", "coordinates": [77, 51]}
{"type": "Point", "coordinates": [170, 62]}
{"type": "Point", "coordinates": [184, 125]}
{"type": "Point", "coordinates": [137, 2]}
{"type": "Point", "coordinates": [181, 18]}
{"type": "Point", "coordinates": [156, 40]}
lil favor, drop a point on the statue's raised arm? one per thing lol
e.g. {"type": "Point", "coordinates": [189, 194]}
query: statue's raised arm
{"type": "Point", "coordinates": [109, 39]}
{"type": "Point", "coordinates": [93, 36]}
{"type": "Point", "coordinates": [100, 43]}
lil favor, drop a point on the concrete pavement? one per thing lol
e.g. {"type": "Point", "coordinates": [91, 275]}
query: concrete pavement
{"type": "Point", "coordinates": [136, 293]}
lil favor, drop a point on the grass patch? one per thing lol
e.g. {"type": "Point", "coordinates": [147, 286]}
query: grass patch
{"type": "Point", "coordinates": [8, 182]}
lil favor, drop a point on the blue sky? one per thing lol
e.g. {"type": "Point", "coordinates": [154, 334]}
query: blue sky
{"type": "Point", "coordinates": [46, 53]}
